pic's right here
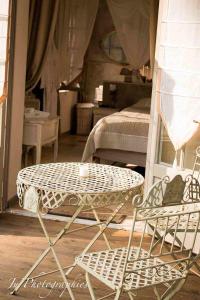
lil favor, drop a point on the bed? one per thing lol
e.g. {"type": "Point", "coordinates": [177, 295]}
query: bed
{"type": "Point", "coordinates": [122, 136]}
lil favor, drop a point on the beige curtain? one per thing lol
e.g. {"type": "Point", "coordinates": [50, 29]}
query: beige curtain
{"type": "Point", "coordinates": [42, 20]}
{"type": "Point", "coordinates": [60, 39]}
{"type": "Point", "coordinates": [131, 20]}
{"type": "Point", "coordinates": [4, 12]}
{"type": "Point", "coordinates": [154, 5]}
{"type": "Point", "coordinates": [50, 80]}
{"type": "Point", "coordinates": [179, 89]}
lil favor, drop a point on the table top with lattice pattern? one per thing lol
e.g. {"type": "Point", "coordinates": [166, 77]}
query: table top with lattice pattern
{"type": "Point", "coordinates": [65, 178]}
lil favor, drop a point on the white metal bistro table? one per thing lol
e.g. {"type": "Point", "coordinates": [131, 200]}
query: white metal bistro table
{"type": "Point", "coordinates": [46, 187]}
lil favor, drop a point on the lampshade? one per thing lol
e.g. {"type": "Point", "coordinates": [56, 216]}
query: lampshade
{"type": "Point", "coordinates": [126, 72]}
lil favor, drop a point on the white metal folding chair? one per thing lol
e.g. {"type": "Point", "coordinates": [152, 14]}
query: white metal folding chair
{"type": "Point", "coordinates": [141, 264]}
{"type": "Point", "coordinates": [175, 192]}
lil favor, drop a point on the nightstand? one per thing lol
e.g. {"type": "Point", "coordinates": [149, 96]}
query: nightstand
{"type": "Point", "coordinates": [39, 132]}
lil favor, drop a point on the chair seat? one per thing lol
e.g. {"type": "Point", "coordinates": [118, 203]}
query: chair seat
{"type": "Point", "coordinates": [108, 266]}
{"type": "Point", "coordinates": [180, 227]}
{"type": "Point", "coordinates": [174, 222]}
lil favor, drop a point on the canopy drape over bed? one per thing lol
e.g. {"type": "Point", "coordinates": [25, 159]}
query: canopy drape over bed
{"type": "Point", "coordinates": [61, 54]}
{"type": "Point", "coordinates": [67, 49]}
{"type": "Point", "coordinates": [131, 20]}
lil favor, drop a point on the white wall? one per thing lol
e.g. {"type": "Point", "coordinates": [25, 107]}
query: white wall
{"type": "Point", "coordinates": [19, 75]}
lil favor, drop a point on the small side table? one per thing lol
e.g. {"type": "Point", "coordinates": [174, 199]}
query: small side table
{"type": "Point", "coordinates": [84, 118]}
{"type": "Point", "coordinates": [39, 132]}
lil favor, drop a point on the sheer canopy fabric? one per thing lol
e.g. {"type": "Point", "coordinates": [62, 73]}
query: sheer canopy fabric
{"type": "Point", "coordinates": [131, 20]}
{"type": "Point", "coordinates": [68, 47]}
{"type": "Point", "coordinates": [4, 11]}
{"type": "Point", "coordinates": [54, 69]}
{"type": "Point", "coordinates": [81, 19]}
{"type": "Point", "coordinates": [178, 86]}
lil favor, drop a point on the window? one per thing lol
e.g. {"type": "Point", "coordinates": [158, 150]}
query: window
{"type": "Point", "coordinates": [112, 48]}
{"type": "Point", "coordinates": [167, 152]}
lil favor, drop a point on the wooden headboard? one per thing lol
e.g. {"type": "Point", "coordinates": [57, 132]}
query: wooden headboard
{"type": "Point", "coordinates": [125, 93]}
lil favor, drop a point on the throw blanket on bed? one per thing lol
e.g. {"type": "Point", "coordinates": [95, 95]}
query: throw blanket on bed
{"type": "Point", "coordinates": [125, 130]}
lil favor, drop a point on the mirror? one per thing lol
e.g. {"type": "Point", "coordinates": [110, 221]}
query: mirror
{"type": "Point", "coordinates": [112, 48]}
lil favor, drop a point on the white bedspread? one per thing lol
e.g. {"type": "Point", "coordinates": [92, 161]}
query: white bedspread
{"type": "Point", "coordinates": [126, 130]}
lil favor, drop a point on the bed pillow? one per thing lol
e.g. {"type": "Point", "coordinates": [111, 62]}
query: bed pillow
{"type": "Point", "coordinates": [143, 103]}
